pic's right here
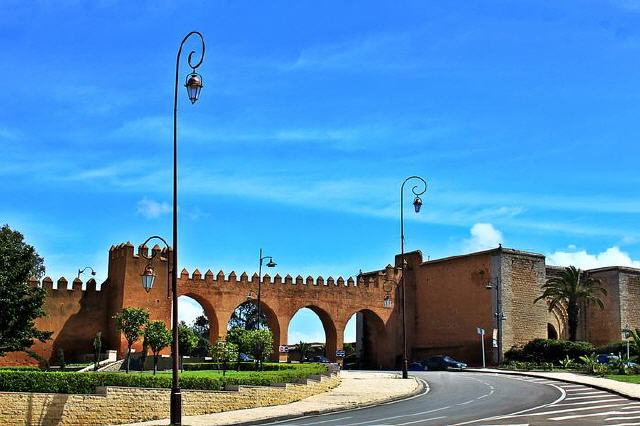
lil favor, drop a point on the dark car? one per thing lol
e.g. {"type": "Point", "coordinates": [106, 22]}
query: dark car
{"type": "Point", "coordinates": [443, 362]}
{"type": "Point", "coordinates": [319, 358]}
{"type": "Point", "coordinates": [416, 366]}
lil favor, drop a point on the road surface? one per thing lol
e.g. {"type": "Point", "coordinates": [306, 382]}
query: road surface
{"type": "Point", "coordinates": [461, 398]}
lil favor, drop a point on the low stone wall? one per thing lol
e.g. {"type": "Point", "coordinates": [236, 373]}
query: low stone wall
{"type": "Point", "coordinates": [114, 405]}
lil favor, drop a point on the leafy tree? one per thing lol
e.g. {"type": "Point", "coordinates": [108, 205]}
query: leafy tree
{"type": "Point", "coordinates": [201, 326]}
{"type": "Point", "coordinates": [303, 348]}
{"type": "Point", "coordinates": [259, 343]}
{"type": "Point", "coordinates": [131, 322]}
{"type": "Point", "coordinates": [97, 350]}
{"type": "Point", "coordinates": [157, 337]}
{"type": "Point", "coordinates": [635, 340]}
{"type": "Point", "coordinates": [20, 303]}
{"type": "Point", "coordinates": [187, 340]}
{"type": "Point", "coordinates": [224, 352]}
{"type": "Point", "coordinates": [237, 336]}
{"type": "Point", "coordinates": [246, 316]}
{"type": "Point", "coordinates": [570, 289]}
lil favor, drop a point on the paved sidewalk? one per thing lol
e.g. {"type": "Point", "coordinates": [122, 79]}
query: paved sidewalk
{"type": "Point", "coordinates": [357, 389]}
{"type": "Point", "coordinates": [630, 390]}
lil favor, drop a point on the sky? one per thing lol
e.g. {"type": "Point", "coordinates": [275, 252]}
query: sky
{"type": "Point", "coordinates": [521, 115]}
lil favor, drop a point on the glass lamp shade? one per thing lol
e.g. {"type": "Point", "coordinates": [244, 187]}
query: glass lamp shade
{"type": "Point", "coordinates": [417, 203]}
{"type": "Point", "coordinates": [147, 278]}
{"type": "Point", "coordinates": [193, 85]}
{"type": "Point", "coordinates": [271, 263]}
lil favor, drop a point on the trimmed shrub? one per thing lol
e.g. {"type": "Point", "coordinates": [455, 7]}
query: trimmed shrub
{"type": "Point", "coordinates": [617, 348]}
{"type": "Point", "coordinates": [244, 366]}
{"type": "Point", "coordinates": [549, 350]}
{"type": "Point", "coordinates": [86, 383]}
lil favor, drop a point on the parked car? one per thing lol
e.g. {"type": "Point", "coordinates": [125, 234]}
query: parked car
{"type": "Point", "coordinates": [611, 358]}
{"type": "Point", "coordinates": [443, 362]}
{"type": "Point", "coordinates": [318, 358]}
{"type": "Point", "coordinates": [246, 358]}
{"type": "Point", "coordinates": [416, 366]}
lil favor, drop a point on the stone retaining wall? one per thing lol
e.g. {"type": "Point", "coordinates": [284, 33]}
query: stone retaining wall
{"type": "Point", "coordinates": [114, 405]}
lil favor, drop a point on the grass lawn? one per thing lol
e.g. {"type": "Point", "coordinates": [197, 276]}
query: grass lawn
{"type": "Point", "coordinates": [621, 378]}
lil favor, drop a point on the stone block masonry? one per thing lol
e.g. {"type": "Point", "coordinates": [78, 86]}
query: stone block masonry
{"type": "Point", "coordinates": [116, 405]}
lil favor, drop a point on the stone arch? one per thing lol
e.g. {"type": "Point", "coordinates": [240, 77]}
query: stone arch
{"type": "Point", "coordinates": [552, 333]}
{"type": "Point", "coordinates": [371, 339]}
{"type": "Point", "coordinates": [209, 312]}
{"type": "Point", "coordinates": [272, 322]}
{"type": "Point", "coordinates": [330, 330]}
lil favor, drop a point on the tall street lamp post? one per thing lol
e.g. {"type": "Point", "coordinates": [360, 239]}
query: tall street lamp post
{"type": "Point", "coordinates": [417, 203]}
{"type": "Point", "coordinates": [193, 83]}
{"type": "Point", "coordinates": [270, 264]}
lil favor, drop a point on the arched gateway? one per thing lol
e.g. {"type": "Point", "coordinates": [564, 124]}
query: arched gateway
{"type": "Point", "coordinates": [334, 300]}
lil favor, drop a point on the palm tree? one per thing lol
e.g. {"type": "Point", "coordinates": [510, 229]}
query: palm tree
{"type": "Point", "coordinates": [570, 289]}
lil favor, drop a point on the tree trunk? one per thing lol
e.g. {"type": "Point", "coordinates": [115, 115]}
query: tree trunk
{"type": "Point", "coordinates": [572, 313]}
{"type": "Point", "coordinates": [128, 357]}
{"type": "Point", "coordinates": [155, 362]}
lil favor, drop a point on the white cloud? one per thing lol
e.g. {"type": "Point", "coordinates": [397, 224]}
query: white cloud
{"type": "Point", "coordinates": [483, 236]}
{"type": "Point", "coordinates": [152, 209]}
{"type": "Point", "coordinates": [612, 256]}
{"type": "Point", "coordinates": [188, 309]}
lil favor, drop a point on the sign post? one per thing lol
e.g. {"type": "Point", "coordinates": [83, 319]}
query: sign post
{"type": "Point", "coordinates": [480, 331]}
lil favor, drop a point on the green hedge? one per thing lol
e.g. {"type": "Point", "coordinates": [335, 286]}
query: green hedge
{"type": "Point", "coordinates": [244, 366]}
{"type": "Point", "coordinates": [86, 383]}
{"type": "Point", "coordinates": [549, 350]}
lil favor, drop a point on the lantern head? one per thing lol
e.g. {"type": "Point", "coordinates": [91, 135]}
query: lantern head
{"type": "Point", "coordinates": [417, 203]}
{"type": "Point", "coordinates": [193, 85]}
{"type": "Point", "coordinates": [148, 276]}
{"type": "Point", "coordinates": [271, 263]}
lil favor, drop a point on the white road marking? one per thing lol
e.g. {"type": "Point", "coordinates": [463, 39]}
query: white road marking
{"type": "Point", "coordinates": [421, 420]}
{"type": "Point", "coordinates": [591, 402]}
{"type": "Point", "coordinates": [569, 410]}
{"type": "Point", "coordinates": [589, 397]}
{"type": "Point", "coordinates": [327, 421]}
{"type": "Point", "coordinates": [588, 393]}
{"type": "Point", "coordinates": [578, 416]}
{"type": "Point", "coordinates": [467, 402]}
{"type": "Point", "coordinates": [622, 418]}
{"type": "Point", "coordinates": [403, 415]}
{"type": "Point", "coordinates": [625, 424]}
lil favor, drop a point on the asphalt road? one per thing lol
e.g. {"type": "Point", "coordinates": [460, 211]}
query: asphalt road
{"type": "Point", "coordinates": [461, 398]}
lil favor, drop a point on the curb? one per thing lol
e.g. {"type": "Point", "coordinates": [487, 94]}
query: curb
{"type": "Point", "coordinates": [564, 380]}
{"type": "Point", "coordinates": [422, 387]}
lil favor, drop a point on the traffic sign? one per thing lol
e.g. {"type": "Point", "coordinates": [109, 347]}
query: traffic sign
{"type": "Point", "coordinates": [340, 353]}
{"type": "Point", "coordinates": [480, 331]}
{"type": "Point", "coordinates": [283, 349]}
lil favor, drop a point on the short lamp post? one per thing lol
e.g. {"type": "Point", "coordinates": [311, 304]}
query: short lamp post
{"type": "Point", "coordinates": [417, 190]}
{"type": "Point", "coordinates": [498, 314]}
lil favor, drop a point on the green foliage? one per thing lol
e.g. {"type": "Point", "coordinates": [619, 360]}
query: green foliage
{"type": "Point", "coordinates": [243, 366]}
{"type": "Point", "coordinates": [20, 303]}
{"type": "Point", "coordinates": [187, 339]}
{"type": "Point", "coordinates": [97, 350]}
{"type": "Point", "coordinates": [618, 348]}
{"type": "Point", "coordinates": [86, 383]}
{"type": "Point", "coordinates": [303, 348]}
{"type": "Point", "coordinates": [130, 321]}
{"type": "Point", "coordinates": [570, 289]}
{"type": "Point", "coordinates": [245, 316]}
{"type": "Point", "coordinates": [157, 337]}
{"type": "Point", "coordinates": [259, 343]}
{"type": "Point", "coordinates": [224, 352]}
{"type": "Point", "coordinates": [567, 363]}
{"type": "Point", "coordinates": [548, 350]}
{"type": "Point", "coordinates": [58, 359]}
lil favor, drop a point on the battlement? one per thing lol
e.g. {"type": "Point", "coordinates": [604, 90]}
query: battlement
{"type": "Point", "coordinates": [374, 280]}
{"type": "Point", "coordinates": [62, 285]}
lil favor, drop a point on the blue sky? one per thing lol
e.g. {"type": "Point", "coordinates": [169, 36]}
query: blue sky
{"type": "Point", "coordinates": [523, 117]}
